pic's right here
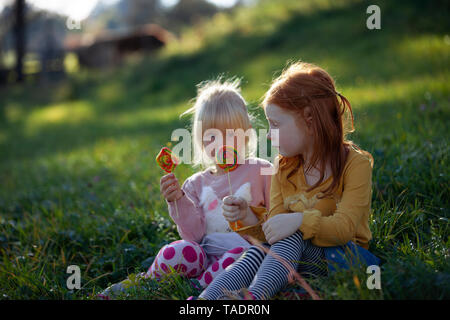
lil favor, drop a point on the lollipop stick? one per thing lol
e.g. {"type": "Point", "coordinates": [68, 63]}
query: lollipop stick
{"type": "Point", "coordinates": [229, 183]}
{"type": "Point", "coordinates": [231, 193]}
{"type": "Point", "coordinates": [222, 154]}
{"type": "Point", "coordinates": [176, 208]}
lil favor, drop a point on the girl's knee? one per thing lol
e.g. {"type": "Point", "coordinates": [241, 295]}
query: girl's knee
{"type": "Point", "coordinates": [259, 251]}
{"type": "Point", "coordinates": [296, 240]}
{"type": "Point", "coordinates": [296, 236]}
{"type": "Point", "coordinates": [180, 256]}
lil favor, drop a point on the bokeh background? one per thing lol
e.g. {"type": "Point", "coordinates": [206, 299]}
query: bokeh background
{"type": "Point", "coordinates": [91, 90]}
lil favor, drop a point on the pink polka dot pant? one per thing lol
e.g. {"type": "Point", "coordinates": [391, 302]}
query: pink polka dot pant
{"type": "Point", "coordinates": [189, 259]}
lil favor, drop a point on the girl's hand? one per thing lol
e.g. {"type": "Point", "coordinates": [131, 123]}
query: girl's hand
{"type": "Point", "coordinates": [170, 188]}
{"type": "Point", "coordinates": [234, 208]}
{"type": "Point", "coordinates": [282, 226]}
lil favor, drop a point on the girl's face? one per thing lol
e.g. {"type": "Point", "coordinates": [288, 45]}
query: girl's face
{"type": "Point", "coordinates": [294, 137]}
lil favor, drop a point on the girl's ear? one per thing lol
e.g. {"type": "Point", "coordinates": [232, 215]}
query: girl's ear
{"type": "Point", "coordinates": [307, 116]}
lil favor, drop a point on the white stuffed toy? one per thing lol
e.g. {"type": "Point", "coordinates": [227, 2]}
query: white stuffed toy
{"type": "Point", "coordinates": [212, 206]}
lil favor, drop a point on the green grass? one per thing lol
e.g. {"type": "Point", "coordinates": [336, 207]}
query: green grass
{"type": "Point", "coordinates": [79, 184]}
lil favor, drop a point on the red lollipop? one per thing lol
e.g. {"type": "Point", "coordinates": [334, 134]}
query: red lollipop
{"type": "Point", "coordinates": [227, 158]}
{"type": "Point", "coordinates": [168, 162]}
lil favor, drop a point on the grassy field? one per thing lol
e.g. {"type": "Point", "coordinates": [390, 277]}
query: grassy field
{"type": "Point", "coordinates": [79, 185]}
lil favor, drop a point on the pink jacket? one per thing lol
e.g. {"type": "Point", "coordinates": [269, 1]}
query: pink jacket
{"type": "Point", "coordinates": [200, 208]}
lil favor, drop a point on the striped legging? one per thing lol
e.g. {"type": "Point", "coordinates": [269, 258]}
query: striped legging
{"type": "Point", "coordinates": [271, 274]}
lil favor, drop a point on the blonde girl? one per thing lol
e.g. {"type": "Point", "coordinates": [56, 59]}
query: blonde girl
{"type": "Point", "coordinates": [207, 215]}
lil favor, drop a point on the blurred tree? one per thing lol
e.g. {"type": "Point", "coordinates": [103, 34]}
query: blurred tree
{"type": "Point", "coordinates": [139, 12]}
{"type": "Point", "coordinates": [7, 17]}
{"type": "Point", "coordinates": [128, 14]}
{"type": "Point", "coordinates": [188, 12]}
{"type": "Point", "coordinates": [19, 30]}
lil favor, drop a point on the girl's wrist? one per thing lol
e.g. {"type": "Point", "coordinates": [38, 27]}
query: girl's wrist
{"type": "Point", "coordinates": [250, 219]}
{"type": "Point", "coordinates": [178, 196]}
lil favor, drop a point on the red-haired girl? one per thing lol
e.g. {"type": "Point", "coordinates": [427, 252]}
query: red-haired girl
{"type": "Point", "coordinates": [320, 197]}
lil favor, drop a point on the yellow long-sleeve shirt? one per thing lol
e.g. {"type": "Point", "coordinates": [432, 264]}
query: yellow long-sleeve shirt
{"type": "Point", "coordinates": [331, 221]}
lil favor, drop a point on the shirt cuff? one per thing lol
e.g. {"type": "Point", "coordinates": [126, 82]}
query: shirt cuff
{"type": "Point", "coordinates": [259, 212]}
{"type": "Point", "coordinates": [254, 230]}
{"type": "Point", "coordinates": [310, 223]}
{"type": "Point", "coordinates": [175, 210]}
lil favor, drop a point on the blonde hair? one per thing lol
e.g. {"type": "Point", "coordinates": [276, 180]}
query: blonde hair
{"type": "Point", "coordinates": [219, 104]}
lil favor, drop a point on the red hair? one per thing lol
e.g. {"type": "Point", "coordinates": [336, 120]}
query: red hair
{"type": "Point", "coordinates": [303, 85]}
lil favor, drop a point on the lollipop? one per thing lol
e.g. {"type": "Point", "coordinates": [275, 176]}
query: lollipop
{"type": "Point", "coordinates": [227, 160]}
{"type": "Point", "coordinates": [168, 162]}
